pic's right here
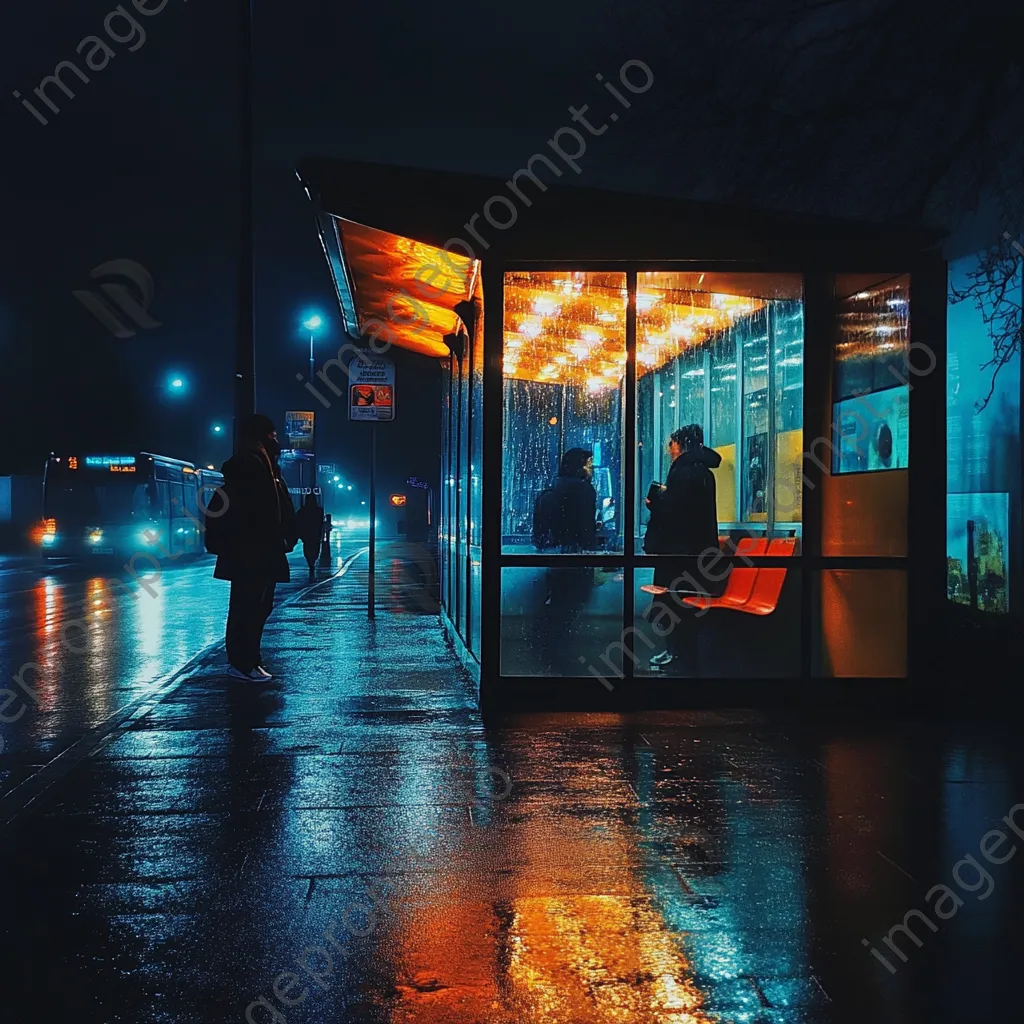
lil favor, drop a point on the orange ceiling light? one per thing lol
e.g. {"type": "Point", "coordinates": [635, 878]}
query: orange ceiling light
{"type": "Point", "coordinates": [563, 327]}
{"type": "Point", "coordinates": [404, 290]}
{"type": "Point", "coordinates": [566, 327]}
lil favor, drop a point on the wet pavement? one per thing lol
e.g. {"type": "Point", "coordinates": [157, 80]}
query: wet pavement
{"type": "Point", "coordinates": [88, 639]}
{"type": "Point", "coordinates": [352, 843]}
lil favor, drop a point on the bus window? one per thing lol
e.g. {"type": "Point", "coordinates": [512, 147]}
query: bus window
{"type": "Point", "coordinates": [162, 505]}
{"type": "Point", "coordinates": [141, 501]}
{"type": "Point", "coordinates": [190, 497]}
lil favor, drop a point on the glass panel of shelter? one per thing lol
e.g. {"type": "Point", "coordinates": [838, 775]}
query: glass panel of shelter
{"type": "Point", "coordinates": [564, 377]}
{"type": "Point", "coordinates": [724, 352]}
{"type": "Point", "coordinates": [862, 628]}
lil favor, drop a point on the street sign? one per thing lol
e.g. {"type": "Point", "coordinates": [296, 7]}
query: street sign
{"type": "Point", "coordinates": [298, 428]}
{"type": "Point", "coordinates": [372, 390]}
{"type": "Point", "coordinates": [327, 468]}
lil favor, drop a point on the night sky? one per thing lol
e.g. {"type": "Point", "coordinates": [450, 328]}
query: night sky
{"type": "Point", "coordinates": [143, 164]}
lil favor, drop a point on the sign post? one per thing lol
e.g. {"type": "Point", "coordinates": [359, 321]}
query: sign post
{"type": "Point", "coordinates": [298, 428]}
{"type": "Point", "coordinates": [372, 400]}
{"type": "Point", "coordinates": [371, 595]}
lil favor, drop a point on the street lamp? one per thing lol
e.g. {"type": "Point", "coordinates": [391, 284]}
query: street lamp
{"type": "Point", "coordinates": [312, 324]}
{"type": "Point", "coordinates": [217, 428]}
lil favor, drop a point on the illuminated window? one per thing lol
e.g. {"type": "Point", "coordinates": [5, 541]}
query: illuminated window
{"type": "Point", "coordinates": [870, 395]}
{"type": "Point", "coordinates": [724, 351]}
{"type": "Point", "coordinates": [564, 369]}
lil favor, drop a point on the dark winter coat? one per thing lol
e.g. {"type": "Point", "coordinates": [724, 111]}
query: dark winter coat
{"type": "Point", "coordinates": [259, 526]}
{"type": "Point", "coordinates": [684, 521]}
{"type": "Point", "coordinates": [574, 526]}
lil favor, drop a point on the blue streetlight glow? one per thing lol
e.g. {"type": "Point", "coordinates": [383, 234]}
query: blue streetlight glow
{"type": "Point", "coordinates": [337, 478]}
{"type": "Point", "coordinates": [176, 384]}
{"type": "Point", "coordinates": [217, 428]}
{"type": "Point", "coordinates": [312, 323]}
{"type": "Point", "coordinates": [350, 488]}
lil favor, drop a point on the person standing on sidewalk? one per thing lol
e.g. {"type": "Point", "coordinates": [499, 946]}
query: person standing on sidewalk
{"type": "Point", "coordinates": [310, 518]}
{"type": "Point", "coordinates": [251, 535]}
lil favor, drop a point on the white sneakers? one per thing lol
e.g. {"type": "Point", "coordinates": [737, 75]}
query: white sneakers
{"type": "Point", "coordinates": [257, 675]}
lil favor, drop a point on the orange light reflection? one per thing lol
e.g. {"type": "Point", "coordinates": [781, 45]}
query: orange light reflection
{"type": "Point", "coordinates": [405, 290]}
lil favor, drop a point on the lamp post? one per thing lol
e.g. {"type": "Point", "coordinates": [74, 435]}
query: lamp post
{"type": "Point", "coordinates": [245, 341]}
{"type": "Point", "coordinates": [311, 324]}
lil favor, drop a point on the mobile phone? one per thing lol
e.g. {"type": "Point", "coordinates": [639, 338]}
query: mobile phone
{"type": "Point", "coordinates": [653, 491]}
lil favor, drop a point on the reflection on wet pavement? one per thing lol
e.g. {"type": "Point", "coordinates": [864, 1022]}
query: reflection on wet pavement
{"type": "Point", "coordinates": [85, 643]}
{"type": "Point", "coordinates": [341, 846]}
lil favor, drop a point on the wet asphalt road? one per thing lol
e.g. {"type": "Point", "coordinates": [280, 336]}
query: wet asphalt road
{"type": "Point", "coordinates": [80, 641]}
{"type": "Point", "coordinates": [95, 640]}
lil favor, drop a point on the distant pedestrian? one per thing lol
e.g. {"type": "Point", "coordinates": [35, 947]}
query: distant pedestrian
{"type": "Point", "coordinates": [251, 539]}
{"type": "Point", "coordinates": [310, 521]}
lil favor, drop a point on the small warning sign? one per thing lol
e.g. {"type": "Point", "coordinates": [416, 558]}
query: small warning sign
{"type": "Point", "coordinates": [372, 389]}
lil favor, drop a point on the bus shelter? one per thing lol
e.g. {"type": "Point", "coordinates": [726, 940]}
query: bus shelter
{"type": "Point", "coordinates": [811, 353]}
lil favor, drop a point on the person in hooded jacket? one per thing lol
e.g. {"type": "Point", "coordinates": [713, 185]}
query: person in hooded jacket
{"type": "Point", "coordinates": [255, 534]}
{"type": "Point", "coordinates": [684, 523]}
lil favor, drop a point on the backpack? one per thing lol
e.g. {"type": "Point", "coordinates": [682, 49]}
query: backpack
{"type": "Point", "coordinates": [213, 522]}
{"type": "Point", "coordinates": [546, 513]}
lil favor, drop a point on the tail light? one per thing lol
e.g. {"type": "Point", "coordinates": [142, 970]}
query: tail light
{"type": "Point", "coordinates": [45, 531]}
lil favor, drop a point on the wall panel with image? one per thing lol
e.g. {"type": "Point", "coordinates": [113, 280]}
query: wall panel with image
{"type": "Point", "coordinates": [978, 548]}
{"type": "Point", "coordinates": [983, 468]}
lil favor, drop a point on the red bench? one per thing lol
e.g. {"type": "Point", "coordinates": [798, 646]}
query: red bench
{"type": "Point", "coordinates": [750, 589]}
{"type": "Point", "coordinates": [757, 590]}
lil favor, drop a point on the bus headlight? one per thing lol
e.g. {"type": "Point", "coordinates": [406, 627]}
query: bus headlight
{"type": "Point", "coordinates": [48, 539]}
{"type": "Point", "coordinates": [148, 536]}
{"type": "Point", "coordinates": [95, 537]}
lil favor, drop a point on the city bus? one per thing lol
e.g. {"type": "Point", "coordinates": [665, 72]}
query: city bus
{"type": "Point", "coordinates": [118, 505]}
